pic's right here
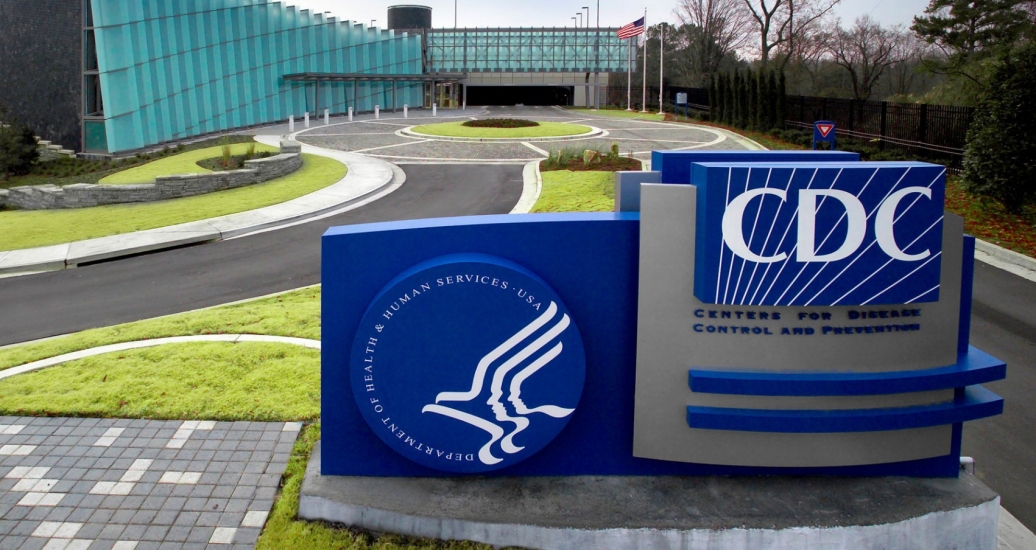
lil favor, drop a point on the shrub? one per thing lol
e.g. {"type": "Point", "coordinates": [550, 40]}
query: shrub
{"type": "Point", "coordinates": [998, 160]}
{"type": "Point", "coordinates": [18, 147]}
{"type": "Point", "coordinates": [501, 123]}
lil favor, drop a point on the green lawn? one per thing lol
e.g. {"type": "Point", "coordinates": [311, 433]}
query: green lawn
{"type": "Point", "coordinates": [619, 113]}
{"type": "Point", "coordinates": [545, 129]}
{"type": "Point", "coordinates": [32, 228]}
{"type": "Point", "coordinates": [565, 191]}
{"type": "Point", "coordinates": [184, 163]}
{"type": "Point", "coordinates": [295, 314]}
{"type": "Point", "coordinates": [197, 381]}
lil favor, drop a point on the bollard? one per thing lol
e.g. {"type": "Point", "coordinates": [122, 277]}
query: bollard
{"type": "Point", "coordinates": [377, 112]}
{"type": "Point", "coordinates": [306, 124]}
{"type": "Point", "coordinates": [464, 106]}
{"type": "Point", "coordinates": [291, 124]}
{"type": "Point", "coordinates": [327, 117]}
{"type": "Point", "coordinates": [434, 110]}
{"type": "Point", "coordinates": [350, 114]}
{"type": "Point", "coordinates": [405, 114]}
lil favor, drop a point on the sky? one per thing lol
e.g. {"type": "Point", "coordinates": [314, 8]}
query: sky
{"type": "Point", "coordinates": [549, 13]}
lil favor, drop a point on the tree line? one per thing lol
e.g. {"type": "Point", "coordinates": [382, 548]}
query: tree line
{"type": "Point", "coordinates": [945, 56]}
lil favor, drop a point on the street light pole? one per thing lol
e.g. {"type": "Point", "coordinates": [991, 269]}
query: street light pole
{"type": "Point", "coordinates": [597, 60]}
{"type": "Point", "coordinates": [372, 22]}
{"type": "Point", "coordinates": [455, 14]}
{"type": "Point", "coordinates": [580, 14]}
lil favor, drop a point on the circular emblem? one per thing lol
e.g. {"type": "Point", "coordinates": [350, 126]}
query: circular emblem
{"type": "Point", "coordinates": [467, 363]}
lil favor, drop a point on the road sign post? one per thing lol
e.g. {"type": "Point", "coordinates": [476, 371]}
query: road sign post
{"type": "Point", "coordinates": [824, 132]}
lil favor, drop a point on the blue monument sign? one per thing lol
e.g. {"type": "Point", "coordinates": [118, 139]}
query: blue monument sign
{"type": "Point", "coordinates": [757, 314]}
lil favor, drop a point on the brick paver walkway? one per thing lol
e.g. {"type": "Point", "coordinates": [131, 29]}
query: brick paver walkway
{"type": "Point", "coordinates": [104, 484]}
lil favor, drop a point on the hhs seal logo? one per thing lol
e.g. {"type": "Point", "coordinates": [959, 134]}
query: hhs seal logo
{"type": "Point", "coordinates": [467, 363]}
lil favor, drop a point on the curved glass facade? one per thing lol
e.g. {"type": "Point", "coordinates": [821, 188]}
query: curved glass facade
{"type": "Point", "coordinates": [174, 69]}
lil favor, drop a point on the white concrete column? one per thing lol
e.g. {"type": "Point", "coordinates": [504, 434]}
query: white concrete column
{"type": "Point", "coordinates": [327, 117]}
{"type": "Point", "coordinates": [435, 110]}
{"type": "Point", "coordinates": [291, 124]}
{"type": "Point", "coordinates": [350, 114]}
{"type": "Point", "coordinates": [377, 112]}
{"type": "Point", "coordinates": [306, 123]}
{"type": "Point", "coordinates": [405, 111]}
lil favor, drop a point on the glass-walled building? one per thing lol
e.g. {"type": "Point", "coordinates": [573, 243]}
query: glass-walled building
{"type": "Point", "coordinates": [166, 71]}
{"type": "Point", "coordinates": [110, 77]}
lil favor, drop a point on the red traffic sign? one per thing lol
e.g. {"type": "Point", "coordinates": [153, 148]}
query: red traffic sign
{"type": "Point", "coordinates": [825, 128]}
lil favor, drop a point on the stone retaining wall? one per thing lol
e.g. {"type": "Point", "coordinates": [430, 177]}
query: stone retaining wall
{"type": "Point", "coordinates": [81, 195]}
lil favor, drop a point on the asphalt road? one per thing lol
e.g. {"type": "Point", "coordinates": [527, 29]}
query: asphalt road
{"type": "Point", "coordinates": [37, 306]}
{"type": "Point", "coordinates": [1003, 323]}
{"type": "Point", "coordinates": [60, 302]}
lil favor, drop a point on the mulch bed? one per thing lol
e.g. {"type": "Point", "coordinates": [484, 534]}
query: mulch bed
{"type": "Point", "coordinates": [622, 164]}
{"type": "Point", "coordinates": [237, 162]}
{"type": "Point", "coordinates": [501, 123]}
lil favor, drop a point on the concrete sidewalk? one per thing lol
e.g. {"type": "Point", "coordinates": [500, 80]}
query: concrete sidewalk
{"type": "Point", "coordinates": [366, 177]}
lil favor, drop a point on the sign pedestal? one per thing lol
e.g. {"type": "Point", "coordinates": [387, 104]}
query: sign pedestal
{"type": "Point", "coordinates": [696, 511]}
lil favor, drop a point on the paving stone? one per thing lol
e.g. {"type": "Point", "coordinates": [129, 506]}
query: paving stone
{"type": "Point", "coordinates": [99, 491]}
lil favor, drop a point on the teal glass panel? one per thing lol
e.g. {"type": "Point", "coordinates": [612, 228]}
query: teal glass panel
{"type": "Point", "coordinates": [95, 137]}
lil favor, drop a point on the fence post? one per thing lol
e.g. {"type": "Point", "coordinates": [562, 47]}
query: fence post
{"type": "Point", "coordinates": [922, 126]}
{"type": "Point", "coordinates": [852, 115]}
{"type": "Point", "coordinates": [884, 124]}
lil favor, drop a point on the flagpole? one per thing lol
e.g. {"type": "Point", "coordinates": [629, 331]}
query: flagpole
{"type": "Point", "coordinates": [629, 76]}
{"type": "Point", "coordinates": [643, 97]}
{"type": "Point", "coordinates": [661, 68]}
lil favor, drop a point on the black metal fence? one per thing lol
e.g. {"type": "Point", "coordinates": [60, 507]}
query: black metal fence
{"type": "Point", "coordinates": [936, 132]}
{"type": "Point", "coordinates": [933, 131]}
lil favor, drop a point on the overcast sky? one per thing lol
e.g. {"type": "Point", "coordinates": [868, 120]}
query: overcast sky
{"type": "Point", "coordinates": [549, 13]}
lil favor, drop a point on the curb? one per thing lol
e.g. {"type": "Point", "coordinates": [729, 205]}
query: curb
{"type": "Point", "coordinates": [746, 142]}
{"type": "Point", "coordinates": [594, 132]}
{"type": "Point", "coordinates": [101, 350]}
{"type": "Point", "coordinates": [532, 189]}
{"type": "Point", "coordinates": [1004, 256]}
{"type": "Point", "coordinates": [366, 177]}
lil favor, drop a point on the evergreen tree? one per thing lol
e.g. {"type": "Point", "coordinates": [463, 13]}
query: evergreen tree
{"type": "Point", "coordinates": [713, 99]}
{"type": "Point", "coordinates": [721, 96]}
{"type": "Point", "coordinates": [970, 29]}
{"type": "Point", "coordinates": [18, 146]}
{"type": "Point", "coordinates": [998, 159]}
{"type": "Point", "coordinates": [743, 94]}
{"type": "Point", "coordinates": [760, 100]}
{"type": "Point", "coordinates": [753, 101]}
{"type": "Point", "coordinates": [728, 98]}
{"type": "Point", "coordinates": [738, 106]}
{"type": "Point", "coordinates": [772, 101]}
{"type": "Point", "coordinates": [782, 101]}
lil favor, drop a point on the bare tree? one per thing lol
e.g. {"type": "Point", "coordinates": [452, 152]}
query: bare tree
{"type": "Point", "coordinates": [866, 51]}
{"type": "Point", "coordinates": [813, 57]}
{"type": "Point", "coordinates": [723, 26]}
{"type": "Point", "coordinates": [906, 76]}
{"type": "Point", "coordinates": [780, 24]}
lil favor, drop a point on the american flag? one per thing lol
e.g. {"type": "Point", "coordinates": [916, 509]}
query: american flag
{"type": "Point", "coordinates": [633, 29]}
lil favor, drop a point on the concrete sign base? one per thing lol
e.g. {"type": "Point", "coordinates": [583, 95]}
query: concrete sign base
{"type": "Point", "coordinates": [664, 511]}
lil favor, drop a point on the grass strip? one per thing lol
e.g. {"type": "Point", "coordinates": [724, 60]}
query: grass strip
{"type": "Point", "coordinates": [567, 191]}
{"type": "Point", "coordinates": [197, 381]}
{"type": "Point", "coordinates": [184, 163]}
{"type": "Point", "coordinates": [285, 530]}
{"type": "Point", "coordinates": [295, 313]}
{"type": "Point", "coordinates": [31, 228]}
{"type": "Point", "coordinates": [545, 129]}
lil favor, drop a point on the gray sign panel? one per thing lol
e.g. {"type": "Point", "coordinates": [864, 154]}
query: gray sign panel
{"type": "Point", "coordinates": [674, 336]}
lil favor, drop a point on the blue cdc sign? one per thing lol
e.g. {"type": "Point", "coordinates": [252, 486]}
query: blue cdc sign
{"type": "Point", "coordinates": [809, 234]}
{"type": "Point", "coordinates": [826, 333]}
